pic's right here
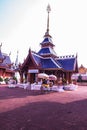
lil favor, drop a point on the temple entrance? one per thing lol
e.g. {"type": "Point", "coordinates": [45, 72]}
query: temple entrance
{"type": "Point", "coordinates": [32, 77]}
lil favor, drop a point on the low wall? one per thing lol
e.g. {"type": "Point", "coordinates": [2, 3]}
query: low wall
{"type": "Point", "coordinates": [82, 83]}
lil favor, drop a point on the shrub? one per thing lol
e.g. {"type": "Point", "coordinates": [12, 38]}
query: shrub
{"type": "Point", "coordinates": [79, 78]}
{"type": "Point", "coordinates": [14, 78]}
{"type": "Point", "coordinates": [6, 80]}
{"type": "Point", "coordinates": [1, 79]}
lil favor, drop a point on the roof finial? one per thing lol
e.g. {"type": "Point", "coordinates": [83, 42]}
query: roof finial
{"type": "Point", "coordinates": [10, 53]}
{"type": "Point", "coordinates": [16, 61]}
{"type": "Point", "coordinates": [76, 55]}
{"type": "Point", "coordinates": [48, 10]}
{"type": "Point", "coordinates": [17, 52]}
{"type": "Point", "coordinates": [0, 45]}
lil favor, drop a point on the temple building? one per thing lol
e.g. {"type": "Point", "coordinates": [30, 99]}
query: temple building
{"type": "Point", "coordinates": [6, 67]}
{"type": "Point", "coordinates": [82, 69]}
{"type": "Point", "coordinates": [47, 61]}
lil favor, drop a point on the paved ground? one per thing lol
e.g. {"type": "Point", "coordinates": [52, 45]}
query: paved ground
{"type": "Point", "coordinates": [29, 110]}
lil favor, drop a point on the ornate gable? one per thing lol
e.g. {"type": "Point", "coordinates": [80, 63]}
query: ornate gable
{"type": "Point", "coordinates": [29, 62]}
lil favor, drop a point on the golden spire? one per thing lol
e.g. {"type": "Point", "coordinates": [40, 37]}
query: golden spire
{"type": "Point", "coordinates": [48, 11]}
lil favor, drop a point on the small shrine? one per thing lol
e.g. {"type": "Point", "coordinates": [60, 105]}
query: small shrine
{"type": "Point", "coordinates": [47, 61]}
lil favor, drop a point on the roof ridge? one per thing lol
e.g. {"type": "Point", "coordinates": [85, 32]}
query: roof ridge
{"type": "Point", "coordinates": [55, 62]}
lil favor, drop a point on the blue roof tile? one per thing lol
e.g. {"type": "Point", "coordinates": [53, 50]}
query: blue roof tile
{"type": "Point", "coordinates": [47, 40]}
{"type": "Point", "coordinates": [37, 58]}
{"type": "Point", "coordinates": [7, 59]}
{"type": "Point", "coordinates": [60, 63]}
{"type": "Point", "coordinates": [45, 62]}
{"type": "Point", "coordinates": [46, 51]}
{"type": "Point", "coordinates": [1, 56]}
{"type": "Point", "coordinates": [49, 63]}
{"type": "Point", "coordinates": [67, 63]}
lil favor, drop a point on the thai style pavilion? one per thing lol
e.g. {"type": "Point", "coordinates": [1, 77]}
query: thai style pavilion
{"type": "Point", "coordinates": [6, 69]}
{"type": "Point", "coordinates": [47, 61]}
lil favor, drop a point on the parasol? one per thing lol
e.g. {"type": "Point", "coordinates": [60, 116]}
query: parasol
{"type": "Point", "coordinates": [52, 77]}
{"type": "Point", "coordinates": [43, 76]}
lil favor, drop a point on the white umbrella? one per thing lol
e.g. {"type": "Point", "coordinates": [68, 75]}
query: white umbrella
{"type": "Point", "coordinates": [52, 77]}
{"type": "Point", "coordinates": [43, 76]}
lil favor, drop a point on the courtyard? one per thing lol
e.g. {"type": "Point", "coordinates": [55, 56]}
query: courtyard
{"type": "Point", "coordinates": [30, 110]}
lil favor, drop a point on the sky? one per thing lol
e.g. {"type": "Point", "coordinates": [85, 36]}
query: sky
{"type": "Point", "coordinates": [23, 24]}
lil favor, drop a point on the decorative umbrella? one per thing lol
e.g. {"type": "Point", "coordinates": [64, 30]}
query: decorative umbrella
{"type": "Point", "coordinates": [52, 77]}
{"type": "Point", "coordinates": [43, 76]}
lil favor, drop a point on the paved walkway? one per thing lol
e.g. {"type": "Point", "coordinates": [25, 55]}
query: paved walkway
{"type": "Point", "coordinates": [30, 110]}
